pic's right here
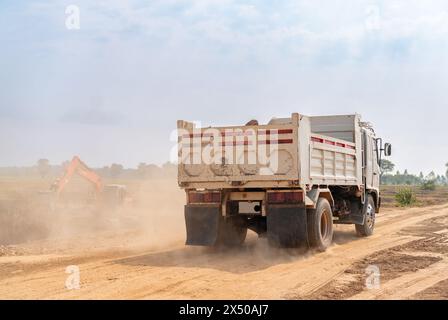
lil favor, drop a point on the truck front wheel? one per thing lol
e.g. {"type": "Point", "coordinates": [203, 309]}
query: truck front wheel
{"type": "Point", "coordinates": [232, 232]}
{"type": "Point", "coordinates": [320, 225]}
{"type": "Point", "coordinates": [366, 229]}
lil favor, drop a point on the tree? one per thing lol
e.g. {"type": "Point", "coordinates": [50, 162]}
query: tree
{"type": "Point", "coordinates": [43, 166]}
{"type": "Point", "coordinates": [154, 171]}
{"type": "Point", "coordinates": [446, 173]}
{"type": "Point", "coordinates": [169, 169]}
{"type": "Point", "coordinates": [142, 170]}
{"type": "Point", "coordinates": [428, 185]}
{"type": "Point", "coordinates": [386, 166]}
{"type": "Point", "coordinates": [116, 170]}
{"type": "Point", "coordinates": [104, 171]}
{"type": "Point", "coordinates": [431, 176]}
{"type": "Point", "coordinates": [65, 164]}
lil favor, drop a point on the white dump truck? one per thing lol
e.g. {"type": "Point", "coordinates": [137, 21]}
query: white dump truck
{"type": "Point", "coordinates": [289, 180]}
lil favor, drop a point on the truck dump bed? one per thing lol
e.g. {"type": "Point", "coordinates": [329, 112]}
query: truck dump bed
{"type": "Point", "coordinates": [299, 150]}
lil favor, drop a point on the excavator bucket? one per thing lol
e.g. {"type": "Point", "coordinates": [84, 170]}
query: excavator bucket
{"type": "Point", "coordinates": [202, 224]}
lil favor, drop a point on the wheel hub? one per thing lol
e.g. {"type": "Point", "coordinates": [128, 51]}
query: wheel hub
{"type": "Point", "coordinates": [370, 215]}
{"type": "Point", "coordinates": [324, 225]}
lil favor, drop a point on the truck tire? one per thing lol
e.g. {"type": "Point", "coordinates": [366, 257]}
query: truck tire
{"type": "Point", "coordinates": [320, 225]}
{"type": "Point", "coordinates": [366, 229]}
{"type": "Point", "coordinates": [232, 232]}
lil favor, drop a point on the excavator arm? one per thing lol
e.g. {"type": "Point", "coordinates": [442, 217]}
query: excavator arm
{"type": "Point", "coordinates": [79, 167]}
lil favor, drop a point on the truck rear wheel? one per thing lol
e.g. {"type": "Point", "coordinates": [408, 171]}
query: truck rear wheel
{"type": "Point", "coordinates": [232, 232]}
{"type": "Point", "coordinates": [320, 225]}
{"type": "Point", "coordinates": [366, 229]}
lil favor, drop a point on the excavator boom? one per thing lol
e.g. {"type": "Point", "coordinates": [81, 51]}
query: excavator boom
{"type": "Point", "coordinates": [79, 167]}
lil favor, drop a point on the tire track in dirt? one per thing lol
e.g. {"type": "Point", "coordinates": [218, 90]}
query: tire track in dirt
{"type": "Point", "coordinates": [409, 284]}
{"type": "Point", "coordinates": [406, 262]}
{"type": "Point", "coordinates": [255, 271]}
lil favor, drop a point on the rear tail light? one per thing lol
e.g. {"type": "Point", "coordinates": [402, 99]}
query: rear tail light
{"type": "Point", "coordinates": [285, 197]}
{"type": "Point", "coordinates": [204, 197]}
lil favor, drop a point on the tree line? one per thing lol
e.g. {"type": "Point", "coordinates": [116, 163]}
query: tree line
{"type": "Point", "coordinates": [43, 168]}
{"type": "Point", "coordinates": [428, 181]}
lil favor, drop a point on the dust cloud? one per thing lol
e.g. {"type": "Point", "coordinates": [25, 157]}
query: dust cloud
{"type": "Point", "coordinates": [151, 221]}
{"type": "Point", "coordinates": [152, 217]}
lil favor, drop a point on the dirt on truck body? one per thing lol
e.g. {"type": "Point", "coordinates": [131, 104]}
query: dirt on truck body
{"type": "Point", "coordinates": [289, 180]}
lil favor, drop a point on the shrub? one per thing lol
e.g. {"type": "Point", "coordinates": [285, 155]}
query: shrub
{"type": "Point", "coordinates": [428, 185]}
{"type": "Point", "coordinates": [405, 197]}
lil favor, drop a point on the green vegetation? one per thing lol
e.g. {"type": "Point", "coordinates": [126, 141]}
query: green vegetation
{"type": "Point", "coordinates": [428, 185]}
{"type": "Point", "coordinates": [43, 166]}
{"type": "Point", "coordinates": [405, 197]}
{"type": "Point", "coordinates": [428, 182]}
{"type": "Point", "coordinates": [386, 166]}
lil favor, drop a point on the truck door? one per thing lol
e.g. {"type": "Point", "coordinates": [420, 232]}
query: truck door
{"type": "Point", "coordinates": [367, 159]}
{"type": "Point", "coordinates": [371, 168]}
{"type": "Point", "coordinates": [375, 165]}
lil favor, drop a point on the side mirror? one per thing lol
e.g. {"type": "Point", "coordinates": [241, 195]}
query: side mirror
{"type": "Point", "coordinates": [387, 149]}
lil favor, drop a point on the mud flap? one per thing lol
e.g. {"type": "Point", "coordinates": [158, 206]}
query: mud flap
{"type": "Point", "coordinates": [202, 224]}
{"type": "Point", "coordinates": [287, 226]}
{"type": "Point", "coordinates": [358, 213]}
{"type": "Point", "coordinates": [356, 216]}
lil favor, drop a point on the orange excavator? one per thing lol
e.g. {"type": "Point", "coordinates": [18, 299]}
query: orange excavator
{"type": "Point", "coordinates": [112, 194]}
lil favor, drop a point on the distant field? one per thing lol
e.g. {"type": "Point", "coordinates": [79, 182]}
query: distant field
{"type": "Point", "coordinates": [23, 188]}
{"type": "Point", "coordinates": [424, 197]}
{"type": "Point", "coordinates": [25, 210]}
{"type": "Point", "coordinates": [139, 252]}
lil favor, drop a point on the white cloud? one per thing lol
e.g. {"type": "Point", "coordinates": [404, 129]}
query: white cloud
{"type": "Point", "coordinates": [228, 61]}
{"type": "Point", "coordinates": [248, 11]}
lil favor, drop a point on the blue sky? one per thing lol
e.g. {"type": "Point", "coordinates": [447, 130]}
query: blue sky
{"type": "Point", "coordinates": [113, 90]}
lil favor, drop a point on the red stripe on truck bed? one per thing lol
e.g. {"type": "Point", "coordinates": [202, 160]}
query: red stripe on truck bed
{"type": "Point", "coordinates": [333, 143]}
{"type": "Point", "coordinates": [236, 143]}
{"type": "Point", "coordinates": [222, 133]}
{"type": "Point", "coordinates": [275, 131]}
{"type": "Point", "coordinates": [279, 141]}
{"type": "Point", "coordinates": [238, 133]}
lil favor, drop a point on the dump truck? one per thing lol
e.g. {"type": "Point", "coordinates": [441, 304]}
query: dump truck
{"type": "Point", "coordinates": [289, 180]}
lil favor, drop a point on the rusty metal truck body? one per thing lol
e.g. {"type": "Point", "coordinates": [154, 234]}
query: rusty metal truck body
{"type": "Point", "coordinates": [289, 180]}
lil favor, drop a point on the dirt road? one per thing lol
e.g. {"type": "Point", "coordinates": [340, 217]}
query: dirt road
{"type": "Point", "coordinates": [409, 248]}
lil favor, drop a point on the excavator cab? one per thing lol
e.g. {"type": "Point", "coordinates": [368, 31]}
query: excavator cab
{"type": "Point", "coordinates": [114, 194]}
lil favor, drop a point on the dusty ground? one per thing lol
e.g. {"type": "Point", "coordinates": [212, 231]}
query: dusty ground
{"type": "Point", "coordinates": [149, 261]}
{"type": "Point", "coordinates": [410, 247]}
